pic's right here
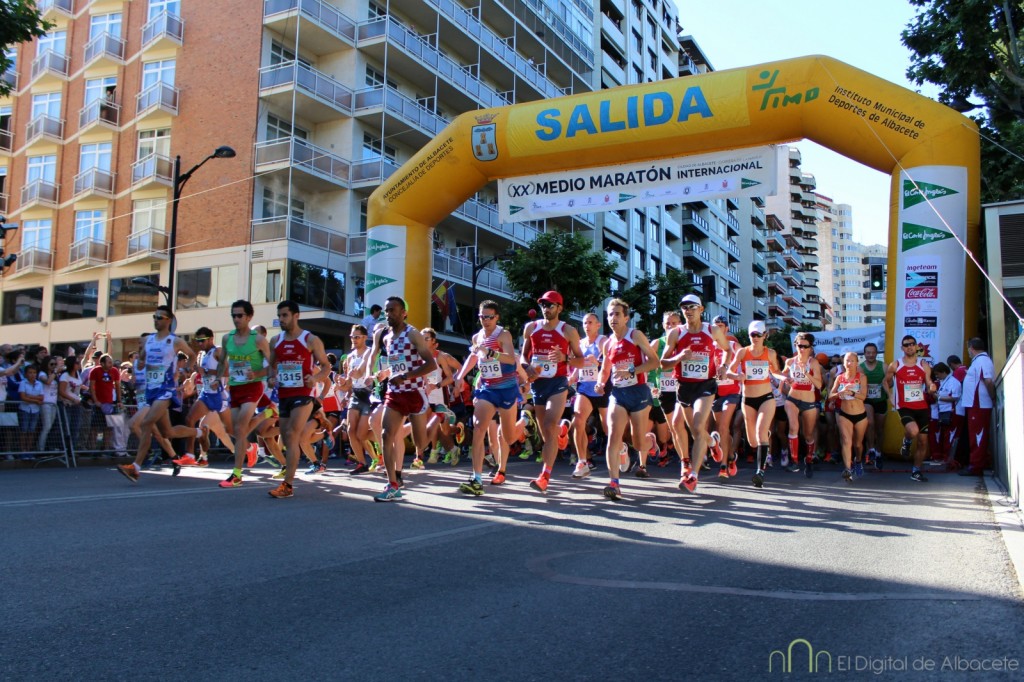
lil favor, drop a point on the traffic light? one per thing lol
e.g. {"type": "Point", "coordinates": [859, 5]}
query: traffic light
{"type": "Point", "coordinates": [878, 277]}
{"type": "Point", "coordinates": [708, 285]}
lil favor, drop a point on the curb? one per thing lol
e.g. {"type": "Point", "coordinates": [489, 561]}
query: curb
{"type": "Point", "coordinates": [1010, 522]}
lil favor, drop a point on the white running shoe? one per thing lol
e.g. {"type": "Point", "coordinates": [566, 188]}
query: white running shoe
{"type": "Point", "coordinates": [582, 470]}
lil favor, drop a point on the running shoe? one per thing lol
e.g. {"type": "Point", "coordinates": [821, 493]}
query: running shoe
{"type": "Point", "coordinates": [809, 467]}
{"type": "Point", "coordinates": [472, 487]}
{"type": "Point", "coordinates": [280, 474]}
{"type": "Point", "coordinates": [918, 476]}
{"type": "Point", "coordinates": [283, 490]}
{"type": "Point", "coordinates": [858, 469]}
{"type": "Point", "coordinates": [758, 479]}
{"type": "Point", "coordinates": [202, 462]}
{"type": "Point", "coordinates": [389, 495]}
{"type": "Point", "coordinates": [581, 470]}
{"type": "Point", "coordinates": [491, 462]}
{"type": "Point", "coordinates": [540, 484]}
{"type": "Point", "coordinates": [460, 433]}
{"type": "Point", "coordinates": [652, 445]}
{"type": "Point", "coordinates": [176, 470]}
{"type": "Point", "coordinates": [641, 472]}
{"type": "Point", "coordinates": [733, 468]}
{"type": "Point", "coordinates": [129, 472]}
{"type": "Point", "coordinates": [784, 460]}
{"type": "Point", "coordinates": [829, 458]}
{"type": "Point", "coordinates": [498, 478]}
{"type": "Point", "coordinates": [360, 469]}
{"type": "Point", "coordinates": [715, 446]}
{"type": "Point", "coordinates": [847, 475]}
{"type": "Point", "coordinates": [879, 461]}
{"type": "Point", "coordinates": [313, 468]}
{"type": "Point", "coordinates": [526, 452]}
{"type": "Point", "coordinates": [563, 434]}
{"type": "Point", "coordinates": [251, 455]}
{"type": "Point", "coordinates": [688, 483]}
{"type": "Point", "coordinates": [436, 454]}
{"type": "Point", "coordinates": [767, 461]}
{"type": "Point", "coordinates": [612, 492]}
{"type": "Point", "coordinates": [417, 463]}
{"type": "Point", "coordinates": [591, 465]}
{"type": "Point", "coordinates": [530, 427]}
{"type": "Point", "coordinates": [231, 481]}
{"type": "Point", "coordinates": [186, 461]}
{"type": "Point", "coordinates": [321, 468]}
{"type": "Point", "coordinates": [623, 458]}
{"type": "Point", "coordinates": [455, 457]}
{"type": "Point", "coordinates": [905, 449]}
{"type": "Point", "coordinates": [723, 473]}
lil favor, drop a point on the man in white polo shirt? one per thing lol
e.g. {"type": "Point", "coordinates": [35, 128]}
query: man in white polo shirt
{"type": "Point", "coordinates": [978, 393]}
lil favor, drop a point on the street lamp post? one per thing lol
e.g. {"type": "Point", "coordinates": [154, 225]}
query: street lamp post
{"type": "Point", "coordinates": [179, 180]}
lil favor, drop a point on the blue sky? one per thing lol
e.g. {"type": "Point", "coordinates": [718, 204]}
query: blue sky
{"type": "Point", "coordinates": [865, 34]}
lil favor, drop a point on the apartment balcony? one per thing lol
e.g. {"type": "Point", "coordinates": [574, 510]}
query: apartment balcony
{"type": "Point", "coordinates": [811, 260]}
{"type": "Point", "coordinates": [94, 182]}
{"type": "Point", "coordinates": [50, 10]}
{"type": "Point", "coordinates": [733, 250]}
{"type": "Point", "coordinates": [32, 260]}
{"type": "Point", "coordinates": [157, 100]}
{"type": "Point", "coordinates": [696, 256]}
{"type": "Point", "coordinates": [49, 68]}
{"type": "Point", "coordinates": [306, 232]}
{"type": "Point", "coordinates": [490, 280]}
{"type": "Point", "coordinates": [88, 252]}
{"type": "Point", "coordinates": [319, 169]}
{"type": "Point", "coordinates": [760, 286]}
{"type": "Point", "coordinates": [809, 183]}
{"type": "Point", "coordinates": [418, 57]}
{"type": "Point", "coordinates": [319, 98]}
{"type": "Point", "coordinates": [44, 129]}
{"type": "Point", "coordinates": [105, 49]}
{"type": "Point", "coordinates": [760, 311]}
{"type": "Point", "coordinates": [776, 284]}
{"type": "Point", "coordinates": [480, 34]}
{"type": "Point", "coordinates": [672, 259]}
{"type": "Point", "coordinates": [372, 172]}
{"type": "Point", "coordinates": [162, 32]}
{"type": "Point", "coordinates": [613, 30]}
{"type": "Point", "coordinates": [791, 318]}
{"type": "Point", "coordinates": [6, 142]}
{"type": "Point", "coordinates": [485, 215]}
{"type": "Point", "coordinates": [777, 307]}
{"type": "Point", "coordinates": [10, 78]}
{"type": "Point", "coordinates": [149, 244]}
{"type": "Point", "coordinates": [615, 223]}
{"type": "Point", "coordinates": [792, 297]}
{"type": "Point", "coordinates": [733, 303]}
{"type": "Point", "coordinates": [4, 204]}
{"type": "Point", "coordinates": [758, 239]}
{"type": "Point", "coordinates": [794, 259]}
{"type": "Point", "coordinates": [776, 263]}
{"type": "Point", "coordinates": [616, 74]}
{"type": "Point", "coordinates": [673, 229]}
{"type": "Point", "coordinates": [759, 265]}
{"type": "Point", "coordinates": [697, 223]}
{"type": "Point", "coordinates": [99, 113]}
{"type": "Point", "coordinates": [811, 290]}
{"type": "Point", "coordinates": [733, 224]}
{"type": "Point", "coordinates": [152, 171]}
{"type": "Point", "coordinates": [776, 242]}
{"type": "Point", "coordinates": [733, 276]}
{"type": "Point", "coordinates": [757, 216]}
{"type": "Point", "coordinates": [385, 108]}
{"type": "Point", "coordinates": [794, 277]}
{"type": "Point", "coordinates": [40, 193]}
{"type": "Point", "coordinates": [321, 28]}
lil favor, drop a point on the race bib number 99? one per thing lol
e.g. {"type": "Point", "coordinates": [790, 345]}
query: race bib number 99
{"type": "Point", "coordinates": [289, 375]}
{"type": "Point", "coordinates": [757, 370]}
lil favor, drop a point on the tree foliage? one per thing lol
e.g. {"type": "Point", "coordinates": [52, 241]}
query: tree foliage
{"type": "Point", "coordinates": [559, 261]}
{"type": "Point", "coordinates": [19, 22]}
{"type": "Point", "coordinates": [651, 297]}
{"type": "Point", "coordinates": [972, 50]}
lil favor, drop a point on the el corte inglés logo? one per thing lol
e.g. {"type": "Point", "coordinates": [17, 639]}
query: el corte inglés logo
{"type": "Point", "coordinates": [376, 246]}
{"type": "Point", "coordinates": [916, 193]}
{"type": "Point", "coordinates": [913, 236]}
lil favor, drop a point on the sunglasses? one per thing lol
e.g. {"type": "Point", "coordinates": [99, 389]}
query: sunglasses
{"type": "Point", "coordinates": [689, 306]}
{"type": "Point", "coordinates": [237, 315]}
{"type": "Point", "coordinates": [358, 336]}
{"type": "Point", "coordinates": [755, 335]}
{"type": "Point", "coordinates": [800, 345]}
{"type": "Point", "coordinates": [491, 317]}
{"type": "Point", "coordinates": [909, 343]}
{"type": "Point", "coordinates": [547, 304]}
{"type": "Point", "coordinates": [200, 339]}
{"type": "Point", "coordinates": [160, 317]}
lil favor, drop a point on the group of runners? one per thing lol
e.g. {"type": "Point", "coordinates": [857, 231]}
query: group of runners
{"type": "Point", "coordinates": [695, 392]}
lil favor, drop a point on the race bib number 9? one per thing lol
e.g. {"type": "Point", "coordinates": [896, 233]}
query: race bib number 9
{"type": "Point", "coordinates": [621, 377]}
{"type": "Point", "coordinates": [289, 375]}
{"type": "Point", "coordinates": [757, 370]}
{"type": "Point", "coordinates": [545, 369]}
{"type": "Point", "coordinates": [398, 365]}
{"type": "Point", "coordinates": [239, 370]}
{"type": "Point", "coordinates": [696, 367]}
{"type": "Point", "coordinates": [913, 393]}
{"type": "Point", "coordinates": [490, 369]}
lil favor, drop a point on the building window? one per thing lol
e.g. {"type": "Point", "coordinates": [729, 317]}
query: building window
{"type": "Point", "coordinates": [128, 297]}
{"type": "Point", "coordinates": [373, 146]}
{"type": "Point", "coordinates": [275, 205]}
{"type": "Point", "coordinates": [375, 10]}
{"type": "Point", "coordinates": [280, 54]}
{"type": "Point", "coordinates": [266, 286]}
{"type": "Point", "coordinates": [375, 78]}
{"type": "Point", "coordinates": [105, 23]}
{"type": "Point", "coordinates": [42, 168]}
{"type": "Point", "coordinates": [149, 214]}
{"type": "Point", "coordinates": [158, 72]}
{"type": "Point", "coordinates": [156, 141]}
{"type": "Point", "coordinates": [94, 156]}
{"type": "Point", "coordinates": [22, 306]}
{"type": "Point", "coordinates": [75, 301]}
{"type": "Point", "coordinates": [156, 7]}
{"type": "Point", "coordinates": [46, 104]}
{"type": "Point", "coordinates": [90, 225]}
{"type": "Point", "coordinates": [100, 88]}
{"type": "Point", "coordinates": [316, 287]}
{"type": "Point", "coordinates": [207, 287]}
{"type": "Point", "coordinates": [55, 41]}
{"type": "Point", "coordinates": [35, 234]}
{"type": "Point", "coordinates": [278, 128]}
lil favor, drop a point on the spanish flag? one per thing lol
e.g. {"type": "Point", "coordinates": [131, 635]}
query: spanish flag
{"type": "Point", "coordinates": [440, 298]}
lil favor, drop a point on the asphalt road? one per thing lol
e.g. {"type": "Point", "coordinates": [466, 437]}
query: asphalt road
{"type": "Point", "coordinates": [174, 578]}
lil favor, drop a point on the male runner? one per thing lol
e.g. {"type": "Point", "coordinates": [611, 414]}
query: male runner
{"type": "Point", "coordinates": [547, 345]}
{"type": "Point", "coordinates": [292, 372]}
{"type": "Point", "coordinates": [907, 381]}
{"type": "Point", "coordinates": [876, 405]}
{"type": "Point", "coordinates": [207, 408]}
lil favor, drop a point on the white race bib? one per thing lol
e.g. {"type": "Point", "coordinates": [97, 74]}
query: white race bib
{"type": "Point", "coordinates": [588, 373]}
{"type": "Point", "coordinates": [874, 391]}
{"type": "Point", "coordinates": [697, 367]}
{"type": "Point", "coordinates": [913, 393]}
{"type": "Point", "coordinates": [618, 369]}
{"type": "Point", "coordinates": [398, 365]}
{"type": "Point", "coordinates": [668, 384]}
{"type": "Point", "coordinates": [843, 395]}
{"type": "Point", "coordinates": [757, 370]}
{"type": "Point", "coordinates": [545, 369]}
{"type": "Point", "coordinates": [155, 375]}
{"type": "Point", "coordinates": [239, 370]}
{"type": "Point", "coordinates": [489, 369]}
{"type": "Point", "coordinates": [289, 375]}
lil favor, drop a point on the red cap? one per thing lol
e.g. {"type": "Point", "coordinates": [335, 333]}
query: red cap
{"type": "Point", "coordinates": [551, 297]}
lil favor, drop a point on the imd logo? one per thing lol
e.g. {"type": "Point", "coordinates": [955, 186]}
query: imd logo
{"type": "Point", "coordinates": [783, 662]}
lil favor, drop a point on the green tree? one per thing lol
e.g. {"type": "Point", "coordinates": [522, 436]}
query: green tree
{"type": "Point", "coordinates": [650, 297]}
{"type": "Point", "coordinates": [19, 22]}
{"type": "Point", "coordinates": [557, 261]}
{"type": "Point", "coordinates": [972, 50]}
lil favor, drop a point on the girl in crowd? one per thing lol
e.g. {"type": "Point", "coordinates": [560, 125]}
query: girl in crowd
{"type": "Point", "coordinates": [850, 388]}
{"type": "Point", "coordinates": [754, 366]}
{"type": "Point", "coordinates": [804, 375]}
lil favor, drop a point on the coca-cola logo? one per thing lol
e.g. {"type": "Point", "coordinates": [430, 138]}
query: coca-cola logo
{"type": "Point", "coordinates": [923, 292]}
